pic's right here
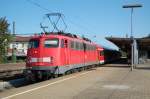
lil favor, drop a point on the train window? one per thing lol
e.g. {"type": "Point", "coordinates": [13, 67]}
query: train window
{"type": "Point", "coordinates": [72, 44]}
{"type": "Point", "coordinates": [81, 46]}
{"type": "Point", "coordinates": [92, 47]}
{"type": "Point", "coordinates": [77, 46]}
{"type": "Point", "coordinates": [88, 47]}
{"type": "Point", "coordinates": [84, 47]}
{"type": "Point", "coordinates": [66, 43]}
{"type": "Point", "coordinates": [62, 43]}
{"type": "Point", "coordinates": [102, 53]}
{"type": "Point", "coordinates": [33, 44]}
{"type": "Point", "coordinates": [50, 43]}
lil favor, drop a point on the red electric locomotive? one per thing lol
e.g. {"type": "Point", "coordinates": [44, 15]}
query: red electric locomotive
{"type": "Point", "coordinates": [57, 53]}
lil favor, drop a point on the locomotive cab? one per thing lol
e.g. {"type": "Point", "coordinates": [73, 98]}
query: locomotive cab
{"type": "Point", "coordinates": [42, 57]}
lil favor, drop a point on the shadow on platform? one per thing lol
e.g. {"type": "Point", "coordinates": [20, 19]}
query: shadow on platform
{"type": "Point", "coordinates": [121, 63]}
{"type": "Point", "coordinates": [145, 66]}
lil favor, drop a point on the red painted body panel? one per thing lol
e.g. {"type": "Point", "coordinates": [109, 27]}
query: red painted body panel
{"type": "Point", "coordinates": [63, 56]}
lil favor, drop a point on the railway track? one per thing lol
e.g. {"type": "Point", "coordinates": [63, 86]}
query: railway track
{"type": "Point", "coordinates": [11, 70]}
{"type": "Point", "coordinates": [11, 74]}
{"type": "Point", "coordinates": [11, 78]}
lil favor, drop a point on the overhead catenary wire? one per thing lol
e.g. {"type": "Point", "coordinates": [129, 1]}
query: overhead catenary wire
{"type": "Point", "coordinates": [38, 5]}
{"type": "Point", "coordinates": [46, 9]}
{"type": "Point", "coordinates": [88, 34]}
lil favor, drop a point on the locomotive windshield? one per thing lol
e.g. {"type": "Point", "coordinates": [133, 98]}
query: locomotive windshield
{"type": "Point", "coordinates": [33, 44]}
{"type": "Point", "coordinates": [50, 43]}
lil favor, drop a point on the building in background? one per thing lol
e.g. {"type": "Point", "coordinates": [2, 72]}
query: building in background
{"type": "Point", "coordinates": [20, 44]}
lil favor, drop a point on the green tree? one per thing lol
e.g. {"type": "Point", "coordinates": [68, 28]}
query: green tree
{"type": "Point", "coordinates": [5, 38]}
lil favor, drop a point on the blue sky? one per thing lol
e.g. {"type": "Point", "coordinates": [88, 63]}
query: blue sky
{"type": "Point", "coordinates": [100, 18]}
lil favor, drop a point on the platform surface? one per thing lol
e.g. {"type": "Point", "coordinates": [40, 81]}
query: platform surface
{"type": "Point", "coordinates": [107, 82]}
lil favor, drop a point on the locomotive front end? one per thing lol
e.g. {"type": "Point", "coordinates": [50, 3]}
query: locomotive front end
{"type": "Point", "coordinates": [42, 57]}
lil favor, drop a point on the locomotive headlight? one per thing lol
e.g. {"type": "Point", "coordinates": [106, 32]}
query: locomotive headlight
{"type": "Point", "coordinates": [33, 60]}
{"type": "Point", "coordinates": [46, 59]}
{"type": "Point", "coordinates": [43, 59]}
{"type": "Point", "coordinates": [39, 59]}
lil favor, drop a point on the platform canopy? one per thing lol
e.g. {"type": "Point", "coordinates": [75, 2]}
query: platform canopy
{"type": "Point", "coordinates": [125, 43]}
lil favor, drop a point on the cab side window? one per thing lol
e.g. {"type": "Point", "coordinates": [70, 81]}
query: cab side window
{"type": "Point", "coordinates": [62, 43]}
{"type": "Point", "coordinates": [66, 43]}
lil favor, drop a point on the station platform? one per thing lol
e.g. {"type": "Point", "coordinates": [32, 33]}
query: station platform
{"type": "Point", "coordinates": [110, 81]}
